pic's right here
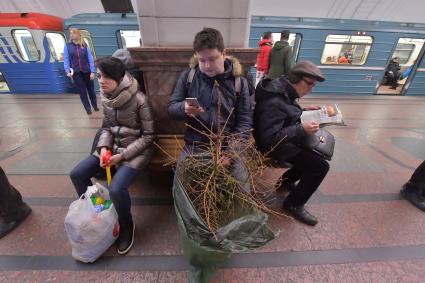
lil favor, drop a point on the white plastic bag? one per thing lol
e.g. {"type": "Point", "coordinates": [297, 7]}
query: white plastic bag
{"type": "Point", "coordinates": [91, 233]}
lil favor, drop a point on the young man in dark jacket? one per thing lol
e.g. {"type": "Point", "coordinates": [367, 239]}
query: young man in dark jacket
{"type": "Point", "coordinates": [277, 128]}
{"type": "Point", "coordinates": [280, 57]}
{"type": "Point", "coordinates": [213, 85]}
{"type": "Point", "coordinates": [12, 209]}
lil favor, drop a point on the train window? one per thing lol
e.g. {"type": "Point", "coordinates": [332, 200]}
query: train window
{"type": "Point", "coordinates": [129, 38]}
{"type": "Point", "coordinates": [88, 41]}
{"type": "Point", "coordinates": [407, 50]}
{"type": "Point", "coordinates": [346, 49]}
{"type": "Point", "coordinates": [56, 43]}
{"type": "Point", "coordinates": [294, 41]}
{"type": "Point", "coordinates": [26, 45]}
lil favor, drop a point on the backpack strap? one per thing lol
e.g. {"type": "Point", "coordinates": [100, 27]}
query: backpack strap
{"type": "Point", "coordinates": [190, 76]}
{"type": "Point", "coordinates": [238, 86]}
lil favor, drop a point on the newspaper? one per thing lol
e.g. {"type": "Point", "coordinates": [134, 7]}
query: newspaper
{"type": "Point", "coordinates": [325, 116]}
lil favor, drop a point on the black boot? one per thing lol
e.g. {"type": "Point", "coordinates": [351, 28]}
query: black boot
{"type": "Point", "coordinates": [285, 186]}
{"type": "Point", "coordinates": [414, 194]}
{"type": "Point", "coordinates": [7, 224]}
{"type": "Point", "coordinates": [126, 238]}
{"type": "Point", "coordinates": [299, 213]}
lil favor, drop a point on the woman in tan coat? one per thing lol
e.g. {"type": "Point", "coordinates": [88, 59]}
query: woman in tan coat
{"type": "Point", "coordinates": [127, 131]}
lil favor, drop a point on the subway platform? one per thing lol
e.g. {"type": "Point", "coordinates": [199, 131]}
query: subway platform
{"type": "Point", "coordinates": [366, 232]}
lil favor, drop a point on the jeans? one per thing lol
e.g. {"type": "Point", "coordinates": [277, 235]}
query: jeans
{"type": "Point", "coordinates": [118, 189]}
{"type": "Point", "coordinates": [310, 169]}
{"type": "Point", "coordinates": [84, 86]}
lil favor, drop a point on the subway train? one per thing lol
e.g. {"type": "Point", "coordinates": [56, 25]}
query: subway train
{"type": "Point", "coordinates": [31, 47]}
{"type": "Point", "coordinates": [31, 59]}
{"type": "Point", "coordinates": [370, 46]}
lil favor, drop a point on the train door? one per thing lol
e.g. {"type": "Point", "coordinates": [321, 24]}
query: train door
{"type": "Point", "coordinates": [4, 87]}
{"type": "Point", "coordinates": [129, 38]}
{"type": "Point", "coordinates": [401, 67]}
{"type": "Point", "coordinates": [294, 41]}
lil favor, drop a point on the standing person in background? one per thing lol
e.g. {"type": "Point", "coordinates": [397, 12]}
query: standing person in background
{"type": "Point", "coordinates": [280, 57]}
{"type": "Point", "coordinates": [263, 57]}
{"type": "Point", "coordinates": [77, 56]}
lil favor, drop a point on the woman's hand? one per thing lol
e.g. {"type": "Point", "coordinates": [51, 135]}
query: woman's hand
{"type": "Point", "coordinates": [91, 76]}
{"type": "Point", "coordinates": [192, 110]}
{"type": "Point", "coordinates": [316, 107]}
{"type": "Point", "coordinates": [102, 152]}
{"type": "Point", "coordinates": [116, 159]}
{"type": "Point", "coordinates": [310, 127]}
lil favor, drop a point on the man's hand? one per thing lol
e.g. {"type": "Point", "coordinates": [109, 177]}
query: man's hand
{"type": "Point", "coordinates": [116, 159]}
{"type": "Point", "coordinates": [91, 76]}
{"type": "Point", "coordinates": [192, 110]}
{"type": "Point", "coordinates": [225, 160]}
{"type": "Point", "coordinates": [308, 108]}
{"type": "Point", "coordinates": [310, 127]}
{"type": "Point", "coordinates": [68, 74]}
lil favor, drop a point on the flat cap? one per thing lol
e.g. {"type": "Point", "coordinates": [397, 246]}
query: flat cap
{"type": "Point", "coordinates": [308, 69]}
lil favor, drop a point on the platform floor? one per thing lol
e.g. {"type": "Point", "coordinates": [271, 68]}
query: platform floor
{"type": "Point", "coordinates": [366, 233]}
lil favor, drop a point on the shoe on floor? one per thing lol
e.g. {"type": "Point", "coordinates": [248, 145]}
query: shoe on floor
{"type": "Point", "coordinates": [88, 112]}
{"type": "Point", "coordinates": [7, 227]}
{"type": "Point", "coordinates": [126, 238]}
{"type": "Point", "coordinates": [414, 197]}
{"type": "Point", "coordinates": [96, 109]}
{"type": "Point", "coordinates": [300, 213]}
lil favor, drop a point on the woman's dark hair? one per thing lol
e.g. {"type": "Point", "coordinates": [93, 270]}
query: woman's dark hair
{"type": "Point", "coordinates": [111, 67]}
{"type": "Point", "coordinates": [208, 38]}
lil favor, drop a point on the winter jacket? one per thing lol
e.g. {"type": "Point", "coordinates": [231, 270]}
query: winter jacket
{"type": "Point", "coordinates": [202, 87]}
{"type": "Point", "coordinates": [280, 59]}
{"type": "Point", "coordinates": [277, 118]}
{"type": "Point", "coordinates": [128, 126]}
{"type": "Point", "coordinates": [264, 55]}
{"type": "Point", "coordinates": [77, 57]}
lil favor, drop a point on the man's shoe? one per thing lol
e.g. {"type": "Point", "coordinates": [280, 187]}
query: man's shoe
{"type": "Point", "coordinates": [414, 197]}
{"type": "Point", "coordinates": [126, 238]}
{"type": "Point", "coordinates": [88, 112]}
{"type": "Point", "coordinates": [286, 186]}
{"type": "Point", "coordinates": [7, 227]}
{"type": "Point", "coordinates": [96, 109]}
{"type": "Point", "coordinates": [299, 213]}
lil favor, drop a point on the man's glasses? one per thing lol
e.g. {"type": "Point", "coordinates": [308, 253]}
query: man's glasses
{"type": "Point", "coordinates": [309, 83]}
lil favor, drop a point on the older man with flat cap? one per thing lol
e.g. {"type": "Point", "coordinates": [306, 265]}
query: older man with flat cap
{"type": "Point", "coordinates": [278, 130]}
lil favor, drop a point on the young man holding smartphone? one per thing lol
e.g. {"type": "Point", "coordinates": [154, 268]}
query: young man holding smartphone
{"type": "Point", "coordinates": [214, 86]}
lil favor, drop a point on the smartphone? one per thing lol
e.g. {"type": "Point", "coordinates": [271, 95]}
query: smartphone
{"type": "Point", "coordinates": [192, 101]}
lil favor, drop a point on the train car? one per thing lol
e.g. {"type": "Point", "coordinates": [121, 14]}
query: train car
{"type": "Point", "coordinates": [368, 45]}
{"type": "Point", "coordinates": [105, 33]}
{"type": "Point", "coordinates": [31, 59]}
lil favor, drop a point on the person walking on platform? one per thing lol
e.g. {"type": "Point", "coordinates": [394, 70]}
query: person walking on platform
{"type": "Point", "coordinates": [12, 209]}
{"type": "Point", "coordinates": [280, 57]}
{"type": "Point", "coordinates": [128, 132]}
{"type": "Point", "coordinates": [265, 44]}
{"type": "Point", "coordinates": [79, 65]}
{"type": "Point", "coordinates": [414, 189]}
{"type": "Point", "coordinates": [279, 132]}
